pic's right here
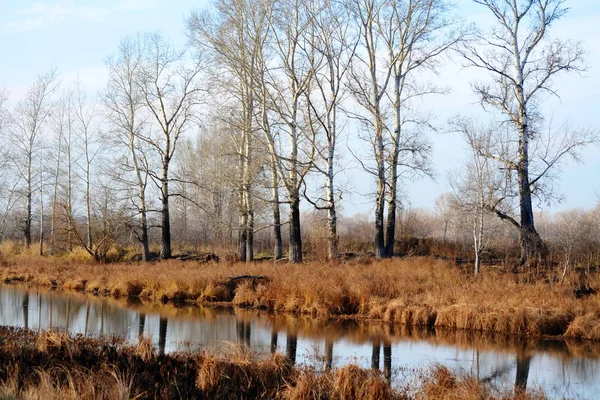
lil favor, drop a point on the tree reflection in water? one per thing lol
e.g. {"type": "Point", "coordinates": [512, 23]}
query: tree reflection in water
{"type": "Point", "coordinates": [505, 363]}
{"type": "Point", "coordinates": [162, 335]}
{"type": "Point", "coordinates": [291, 347]}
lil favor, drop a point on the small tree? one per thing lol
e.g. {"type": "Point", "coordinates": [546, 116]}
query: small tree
{"type": "Point", "coordinates": [478, 187]}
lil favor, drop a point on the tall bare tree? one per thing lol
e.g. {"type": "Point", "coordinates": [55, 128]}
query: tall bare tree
{"type": "Point", "coordinates": [333, 43]}
{"type": "Point", "coordinates": [28, 120]}
{"type": "Point", "coordinates": [85, 113]}
{"type": "Point", "coordinates": [291, 143]}
{"type": "Point", "coordinates": [123, 102]}
{"type": "Point", "coordinates": [171, 93]}
{"type": "Point", "coordinates": [400, 41]}
{"type": "Point", "coordinates": [522, 61]}
{"type": "Point", "coordinates": [235, 35]}
{"type": "Point", "coordinates": [9, 181]}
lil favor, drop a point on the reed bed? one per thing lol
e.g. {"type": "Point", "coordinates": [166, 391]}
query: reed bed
{"type": "Point", "coordinates": [54, 365]}
{"type": "Point", "coordinates": [415, 291]}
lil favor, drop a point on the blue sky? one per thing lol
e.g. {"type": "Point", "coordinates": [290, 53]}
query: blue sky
{"type": "Point", "coordinates": [76, 36]}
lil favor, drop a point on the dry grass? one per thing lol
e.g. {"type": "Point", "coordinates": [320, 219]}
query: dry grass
{"type": "Point", "coordinates": [441, 384]}
{"type": "Point", "coordinates": [100, 369]}
{"type": "Point", "coordinates": [585, 327]}
{"type": "Point", "coordinates": [412, 291]}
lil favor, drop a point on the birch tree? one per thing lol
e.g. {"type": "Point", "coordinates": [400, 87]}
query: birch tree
{"type": "Point", "coordinates": [123, 102]}
{"type": "Point", "coordinates": [333, 43]}
{"type": "Point", "coordinates": [522, 62]}
{"type": "Point", "coordinates": [171, 93]}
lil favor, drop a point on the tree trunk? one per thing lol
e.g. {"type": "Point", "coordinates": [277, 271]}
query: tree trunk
{"type": "Point", "coordinates": [380, 197]}
{"type": "Point", "coordinates": [379, 210]}
{"type": "Point", "coordinates": [247, 198]}
{"type": "Point", "coordinates": [88, 205]}
{"type": "Point", "coordinates": [278, 251]}
{"type": "Point", "coordinates": [390, 229]}
{"type": "Point", "coordinates": [390, 234]}
{"type": "Point", "coordinates": [69, 210]}
{"type": "Point", "coordinates": [144, 238]}
{"type": "Point", "coordinates": [532, 245]}
{"type": "Point", "coordinates": [55, 195]}
{"type": "Point", "coordinates": [250, 236]}
{"type": "Point", "coordinates": [243, 216]}
{"type": "Point", "coordinates": [41, 212]}
{"type": "Point", "coordinates": [332, 237]}
{"type": "Point", "coordinates": [242, 236]}
{"type": "Point", "coordinates": [27, 228]}
{"type": "Point", "coordinates": [295, 232]}
{"type": "Point", "coordinates": [165, 249]}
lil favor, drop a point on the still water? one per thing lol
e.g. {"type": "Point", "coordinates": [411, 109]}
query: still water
{"type": "Point", "coordinates": [560, 369]}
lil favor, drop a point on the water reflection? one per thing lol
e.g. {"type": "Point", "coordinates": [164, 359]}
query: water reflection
{"type": "Point", "coordinates": [561, 369]}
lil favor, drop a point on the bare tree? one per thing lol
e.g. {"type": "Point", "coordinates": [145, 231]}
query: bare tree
{"type": "Point", "coordinates": [522, 62]}
{"type": "Point", "coordinates": [478, 187]}
{"type": "Point", "coordinates": [123, 103]}
{"type": "Point", "coordinates": [28, 120]}
{"type": "Point", "coordinates": [400, 40]}
{"type": "Point", "coordinates": [443, 208]}
{"type": "Point", "coordinates": [333, 43]}
{"type": "Point", "coordinates": [291, 145]}
{"type": "Point", "coordinates": [170, 91]}
{"type": "Point", "coordinates": [9, 181]}
{"type": "Point", "coordinates": [85, 113]}
{"type": "Point", "coordinates": [235, 35]}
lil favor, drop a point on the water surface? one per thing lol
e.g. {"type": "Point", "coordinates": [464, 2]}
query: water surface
{"type": "Point", "coordinates": [561, 369]}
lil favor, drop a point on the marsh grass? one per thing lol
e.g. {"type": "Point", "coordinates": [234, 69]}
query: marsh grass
{"type": "Point", "coordinates": [417, 291]}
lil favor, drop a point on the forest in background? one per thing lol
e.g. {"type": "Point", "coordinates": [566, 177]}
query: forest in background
{"type": "Point", "coordinates": [232, 145]}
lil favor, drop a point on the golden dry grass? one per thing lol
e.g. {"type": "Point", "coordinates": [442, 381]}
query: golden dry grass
{"type": "Point", "coordinates": [441, 384]}
{"type": "Point", "coordinates": [412, 291]}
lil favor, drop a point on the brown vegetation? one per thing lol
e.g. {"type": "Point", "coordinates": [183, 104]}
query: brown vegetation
{"type": "Point", "coordinates": [412, 291]}
{"type": "Point", "coordinates": [54, 365]}
{"type": "Point", "coordinates": [441, 384]}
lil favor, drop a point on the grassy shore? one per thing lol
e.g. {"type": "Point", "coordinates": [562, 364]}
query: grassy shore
{"type": "Point", "coordinates": [410, 292]}
{"type": "Point", "coordinates": [53, 365]}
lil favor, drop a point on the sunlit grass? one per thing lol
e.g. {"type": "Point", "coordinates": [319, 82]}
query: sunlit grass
{"type": "Point", "coordinates": [415, 291]}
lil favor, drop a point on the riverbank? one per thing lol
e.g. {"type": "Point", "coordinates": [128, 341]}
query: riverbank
{"type": "Point", "coordinates": [419, 292]}
{"type": "Point", "coordinates": [54, 365]}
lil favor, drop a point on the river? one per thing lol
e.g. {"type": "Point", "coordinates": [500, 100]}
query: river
{"type": "Point", "coordinates": [559, 368]}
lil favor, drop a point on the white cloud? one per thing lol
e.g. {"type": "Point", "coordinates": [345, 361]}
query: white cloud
{"type": "Point", "coordinates": [46, 13]}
